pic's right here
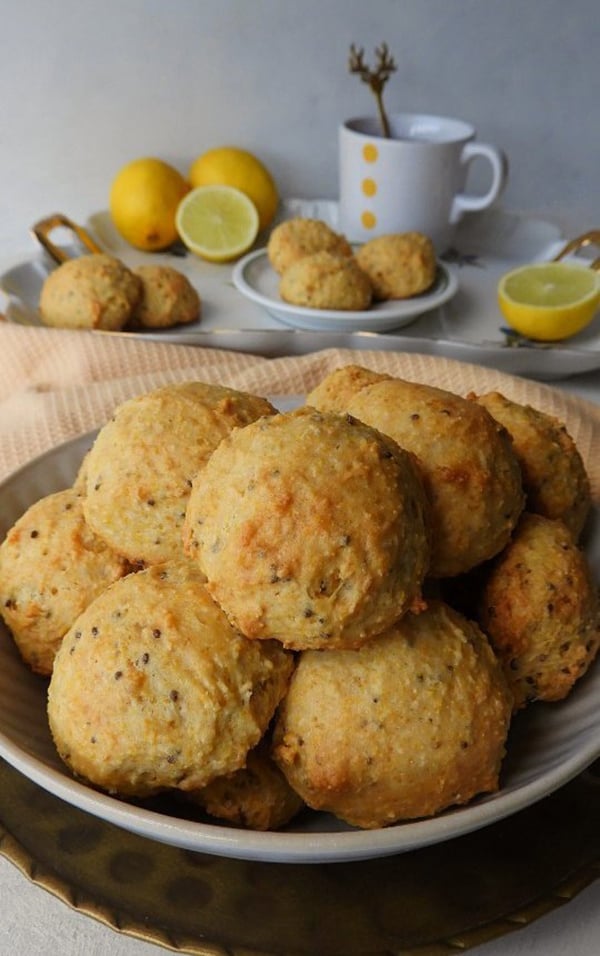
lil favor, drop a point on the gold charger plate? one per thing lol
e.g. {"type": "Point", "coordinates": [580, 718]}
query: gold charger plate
{"type": "Point", "coordinates": [429, 902]}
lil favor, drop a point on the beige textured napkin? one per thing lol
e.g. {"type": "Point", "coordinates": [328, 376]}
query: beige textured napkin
{"type": "Point", "coordinates": [56, 384]}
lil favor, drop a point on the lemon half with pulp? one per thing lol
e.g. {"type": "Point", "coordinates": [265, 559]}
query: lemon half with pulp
{"type": "Point", "coordinates": [549, 301]}
{"type": "Point", "coordinates": [232, 166]}
{"type": "Point", "coordinates": [218, 223]}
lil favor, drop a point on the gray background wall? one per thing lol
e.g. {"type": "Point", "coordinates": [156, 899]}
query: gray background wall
{"type": "Point", "coordinates": [87, 86]}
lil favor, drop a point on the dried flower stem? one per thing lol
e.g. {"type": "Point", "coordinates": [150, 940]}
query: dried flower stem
{"type": "Point", "coordinates": [376, 79]}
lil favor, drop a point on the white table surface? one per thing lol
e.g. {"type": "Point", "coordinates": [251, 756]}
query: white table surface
{"type": "Point", "coordinates": [35, 923]}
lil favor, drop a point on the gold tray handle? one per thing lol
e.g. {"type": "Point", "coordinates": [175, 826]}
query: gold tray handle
{"type": "Point", "coordinates": [42, 229]}
{"type": "Point", "coordinates": [591, 238]}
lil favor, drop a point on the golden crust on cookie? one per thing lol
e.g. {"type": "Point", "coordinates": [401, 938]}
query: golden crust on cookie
{"type": "Point", "coordinates": [467, 464]}
{"type": "Point", "coordinates": [413, 722]}
{"type": "Point", "coordinates": [93, 291]}
{"type": "Point", "coordinates": [257, 796]}
{"type": "Point", "coordinates": [539, 607]}
{"type": "Point", "coordinates": [152, 688]}
{"type": "Point", "coordinates": [326, 281]}
{"type": "Point", "coordinates": [141, 466]}
{"type": "Point", "coordinates": [554, 476]}
{"type": "Point", "coordinates": [399, 265]}
{"type": "Point", "coordinates": [333, 393]}
{"type": "Point", "coordinates": [311, 528]}
{"type": "Point", "coordinates": [295, 238]}
{"type": "Point", "coordinates": [51, 567]}
{"type": "Point", "coordinates": [168, 298]}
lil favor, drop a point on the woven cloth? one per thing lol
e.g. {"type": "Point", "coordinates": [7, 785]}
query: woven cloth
{"type": "Point", "coordinates": [57, 384]}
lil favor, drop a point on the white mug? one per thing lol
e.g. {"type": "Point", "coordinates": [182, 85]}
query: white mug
{"type": "Point", "coordinates": [413, 180]}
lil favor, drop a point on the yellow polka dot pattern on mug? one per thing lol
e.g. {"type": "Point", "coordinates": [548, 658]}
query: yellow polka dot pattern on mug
{"type": "Point", "coordinates": [369, 186]}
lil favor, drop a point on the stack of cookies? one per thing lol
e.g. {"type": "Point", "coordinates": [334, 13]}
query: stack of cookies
{"type": "Point", "coordinates": [334, 608]}
{"type": "Point", "coordinates": [319, 269]}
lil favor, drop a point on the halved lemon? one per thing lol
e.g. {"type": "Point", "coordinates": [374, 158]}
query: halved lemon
{"type": "Point", "coordinates": [549, 301]}
{"type": "Point", "coordinates": [218, 223]}
{"type": "Point", "coordinates": [232, 166]}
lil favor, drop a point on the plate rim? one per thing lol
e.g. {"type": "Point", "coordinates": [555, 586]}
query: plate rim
{"type": "Point", "coordinates": [284, 846]}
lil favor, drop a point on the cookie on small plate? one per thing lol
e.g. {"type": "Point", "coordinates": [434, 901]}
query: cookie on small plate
{"type": "Point", "coordinates": [399, 265]}
{"type": "Point", "coordinates": [326, 281]}
{"type": "Point", "coordinates": [295, 238]}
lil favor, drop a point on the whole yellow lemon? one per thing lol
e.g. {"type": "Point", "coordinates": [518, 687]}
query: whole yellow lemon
{"type": "Point", "coordinates": [232, 166]}
{"type": "Point", "coordinates": [143, 200]}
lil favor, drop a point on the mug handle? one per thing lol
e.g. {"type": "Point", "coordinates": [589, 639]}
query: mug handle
{"type": "Point", "coordinates": [499, 163]}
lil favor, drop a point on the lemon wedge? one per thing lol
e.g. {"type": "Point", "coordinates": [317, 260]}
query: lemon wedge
{"type": "Point", "coordinates": [549, 301]}
{"type": "Point", "coordinates": [218, 223]}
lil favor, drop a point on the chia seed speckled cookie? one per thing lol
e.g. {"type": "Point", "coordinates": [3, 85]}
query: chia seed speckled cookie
{"type": "Point", "coordinates": [311, 528]}
{"type": "Point", "coordinates": [539, 606]}
{"type": "Point", "coordinates": [152, 688]}
{"type": "Point", "coordinates": [139, 471]}
{"type": "Point", "coordinates": [410, 724]}
{"type": "Point", "coordinates": [51, 567]}
{"type": "Point", "coordinates": [554, 476]}
{"type": "Point", "coordinates": [467, 463]}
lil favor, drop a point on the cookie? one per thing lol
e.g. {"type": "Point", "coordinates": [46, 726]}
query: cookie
{"type": "Point", "coordinates": [399, 265]}
{"type": "Point", "coordinates": [412, 723]}
{"type": "Point", "coordinates": [295, 238]}
{"type": "Point", "coordinates": [93, 291]}
{"type": "Point", "coordinates": [139, 471]}
{"type": "Point", "coordinates": [311, 528]}
{"type": "Point", "coordinates": [168, 298]}
{"type": "Point", "coordinates": [152, 688]}
{"type": "Point", "coordinates": [539, 606]}
{"type": "Point", "coordinates": [466, 461]}
{"type": "Point", "coordinates": [554, 475]}
{"type": "Point", "coordinates": [326, 281]}
{"type": "Point", "coordinates": [51, 567]}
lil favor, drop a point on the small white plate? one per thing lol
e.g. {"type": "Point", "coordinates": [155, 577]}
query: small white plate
{"type": "Point", "coordinates": [255, 278]}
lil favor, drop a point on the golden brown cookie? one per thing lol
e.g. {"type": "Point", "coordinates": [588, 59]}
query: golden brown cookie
{"type": "Point", "coordinates": [141, 466]}
{"type": "Point", "coordinates": [311, 528]}
{"type": "Point", "coordinates": [333, 393]}
{"type": "Point", "coordinates": [467, 463]}
{"type": "Point", "coordinates": [540, 609]}
{"type": "Point", "coordinates": [295, 238]}
{"type": "Point", "coordinates": [257, 797]}
{"type": "Point", "coordinates": [93, 291]}
{"type": "Point", "coordinates": [413, 722]}
{"type": "Point", "coordinates": [51, 567]}
{"type": "Point", "coordinates": [399, 265]}
{"type": "Point", "coordinates": [168, 298]}
{"type": "Point", "coordinates": [554, 476]}
{"type": "Point", "coordinates": [153, 688]}
{"type": "Point", "coordinates": [326, 281]}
